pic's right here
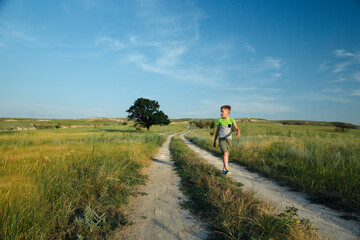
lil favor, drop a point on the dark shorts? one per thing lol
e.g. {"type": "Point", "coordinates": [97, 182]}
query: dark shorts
{"type": "Point", "coordinates": [225, 145]}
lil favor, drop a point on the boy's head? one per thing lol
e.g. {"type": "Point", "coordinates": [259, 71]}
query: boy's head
{"type": "Point", "coordinates": [225, 111]}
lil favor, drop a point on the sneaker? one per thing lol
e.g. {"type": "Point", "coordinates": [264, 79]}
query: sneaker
{"type": "Point", "coordinates": [227, 173]}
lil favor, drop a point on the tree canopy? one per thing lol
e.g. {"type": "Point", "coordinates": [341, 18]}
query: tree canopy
{"type": "Point", "coordinates": [146, 112]}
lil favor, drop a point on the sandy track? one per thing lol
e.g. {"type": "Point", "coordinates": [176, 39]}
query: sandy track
{"type": "Point", "coordinates": [158, 215]}
{"type": "Point", "coordinates": [328, 221]}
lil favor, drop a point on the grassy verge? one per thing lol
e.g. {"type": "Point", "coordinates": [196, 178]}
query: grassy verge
{"type": "Point", "coordinates": [71, 183]}
{"type": "Point", "coordinates": [232, 212]}
{"type": "Point", "coordinates": [317, 160]}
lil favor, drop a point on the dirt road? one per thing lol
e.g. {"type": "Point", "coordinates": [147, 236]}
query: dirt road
{"type": "Point", "coordinates": [328, 221]}
{"type": "Point", "coordinates": [157, 214]}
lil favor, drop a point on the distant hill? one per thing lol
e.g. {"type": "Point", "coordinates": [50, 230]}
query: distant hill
{"type": "Point", "coordinates": [316, 123]}
{"type": "Point", "coordinates": [33, 123]}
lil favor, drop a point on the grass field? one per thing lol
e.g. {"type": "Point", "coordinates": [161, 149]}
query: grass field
{"type": "Point", "coordinates": [71, 183]}
{"type": "Point", "coordinates": [315, 159]}
{"type": "Point", "coordinates": [232, 212]}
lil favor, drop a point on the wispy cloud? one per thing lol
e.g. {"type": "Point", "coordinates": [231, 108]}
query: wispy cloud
{"type": "Point", "coordinates": [340, 67]}
{"type": "Point", "coordinates": [170, 56]}
{"type": "Point", "coordinates": [273, 63]}
{"type": "Point", "coordinates": [12, 31]}
{"type": "Point", "coordinates": [113, 44]}
{"type": "Point", "coordinates": [169, 45]}
{"type": "Point", "coordinates": [338, 80]}
{"type": "Point", "coordinates": [343, 53]}
{"type": "Point", "coordinates": [355, 92]}
{"type": "Point", "coordinates": [357, 76]}
{"type": "Point", "coordinates": [65, 7]}
{"type": "Point", "coordinates": [250, 48]}
{"type": "Point", "coordinates": [324, 97]}
{"type": "Point", "coordinates": [333, 90]}
{"type": "Point", "coordinates": [324, 66]}
{"type": "Point", "coordinates": [257, 89]}
{"type": "Point", "coordinates": [249, 106]}
{"type": "Point", "coordinates": [36, 110]}
{"type": "Point", "coordinates": [262, 108]}
{"type": "Point", "coordinates": [166, 22]}
{"type": "Point", "coordinates": [352, 59]}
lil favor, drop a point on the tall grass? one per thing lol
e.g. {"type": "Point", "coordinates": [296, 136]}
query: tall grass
{"type": "Point", "coordinates": [232, 212]}
{"type": "Point", "coordinates": [318, 160]}
{"type": "Point", "coordinates": [71, 183]}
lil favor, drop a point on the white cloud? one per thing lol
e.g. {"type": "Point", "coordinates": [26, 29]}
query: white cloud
{"type": "Point", "coordinates": [357, 76]}
{"type": "Point", "coordinates": [35, 110]}
{"type": "Point", "coordinates": [263, 107]}
{"type": "Point", "coordinates": [111, 43]}
{"type": "Point", "coordinates": [65, 8]}
{"type": "Point", "coordinates": [343, 53]}
{"type": "Point", "coordinates": [250, 48]}
{"type": "Point", "coordinates": [18, 33]}
{"type": "Point", "coordinates": [133, 39]}
{"type": "Point", "coordinates": [343, 70]}
{"type": "Point", "coordinates": [13, 31]}
{"type": "Point", "coordinates": [333, 90]}
{"type": "Point", "coordinates": [244, 89]}
{"type": "Point", "coordinates": [277, 75]}
{"type": "Point", "coordinates": [340, 79]}
{"type": "Point", "coordinates": [23, 36]}
{"type": "Point", "coordinates": [272, 62]}
{"type": "Point", "coordinates": [170, 56]}
{"type": "Point", "coordinates": [355, 92]}
{"type": "Point", "coordinates": [340, 67]}
{"type": "Point", "coordinates": [165, 22]}
{"type": "Point", "coordinates": [323, 66]}
{"type": "Point", "coordinates": [324, 97]}
{"type": "Point", "coordinates": [136, 58]}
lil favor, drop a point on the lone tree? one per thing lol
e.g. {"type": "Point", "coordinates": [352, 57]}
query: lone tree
{"type": "Point", "coordinates": [146, 112]}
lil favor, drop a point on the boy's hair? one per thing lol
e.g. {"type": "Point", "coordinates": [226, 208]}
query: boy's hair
{"type": "Point", "coordinates": [226, 107]}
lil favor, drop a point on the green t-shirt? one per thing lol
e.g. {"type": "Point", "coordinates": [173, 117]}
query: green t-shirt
{"type": "Point", "coordinates": [225, 127]}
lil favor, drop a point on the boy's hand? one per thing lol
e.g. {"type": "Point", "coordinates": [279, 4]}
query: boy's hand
{"type": "Point", "coordinates": [238, 135]}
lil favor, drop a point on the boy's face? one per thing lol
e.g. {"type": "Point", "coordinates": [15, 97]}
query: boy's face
{"type": "Point", "coordinates": [224, 112]}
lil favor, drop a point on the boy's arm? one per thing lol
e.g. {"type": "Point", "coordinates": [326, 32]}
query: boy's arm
{"type": "Point", "coordinates": [238, 134]}
{"type": "Point", "coordinates": [216, 135]}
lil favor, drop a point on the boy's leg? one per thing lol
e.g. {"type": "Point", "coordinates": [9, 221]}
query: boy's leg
{"type": "Point", "coordinates": [226, 160]}
{"type": "Point", "coordinates": [225, 146]}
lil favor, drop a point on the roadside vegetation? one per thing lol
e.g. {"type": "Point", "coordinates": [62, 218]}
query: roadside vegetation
{"type": "Point", "coordinates": [232, 212]}
{"type": "Point", "coordinates": [317, 159]}
{"type": "Point", "coordinates": [71, 183]}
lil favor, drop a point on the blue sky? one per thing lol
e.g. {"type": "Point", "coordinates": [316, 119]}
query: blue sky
{"type": "Point", "coordinates": [267, 59]}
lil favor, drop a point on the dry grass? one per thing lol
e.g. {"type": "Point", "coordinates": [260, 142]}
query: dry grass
{"type": "Point", "coordinates": [71, 183]}
{"type": "Point", "coordinates": [232, 212]}
{"type": "Point", "coordinates": [317, 159]}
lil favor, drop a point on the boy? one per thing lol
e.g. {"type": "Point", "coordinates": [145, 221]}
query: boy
{"type": "Point", "coordinates": [224, 131]}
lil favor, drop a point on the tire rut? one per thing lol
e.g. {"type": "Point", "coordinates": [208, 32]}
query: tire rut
{"type": "Point", "coordinates": [157, 214]}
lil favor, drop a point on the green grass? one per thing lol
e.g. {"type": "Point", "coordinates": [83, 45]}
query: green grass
{"type": "Point", "coordinates": [315, 159]}
{"type": "Point", "coordinates": [8, 124]}
{"type": "Point", "coordinates": [71, 183]}
{"type": "Point", "coordinates": [232, 212]}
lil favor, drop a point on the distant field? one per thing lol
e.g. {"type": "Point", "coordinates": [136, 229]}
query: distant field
{"type": "Point", "coordinates": [71, 183]}
{"type": "Point", "coordinates": [33, 123]}
{"type": "Point", "coordinates": [315, 159]}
